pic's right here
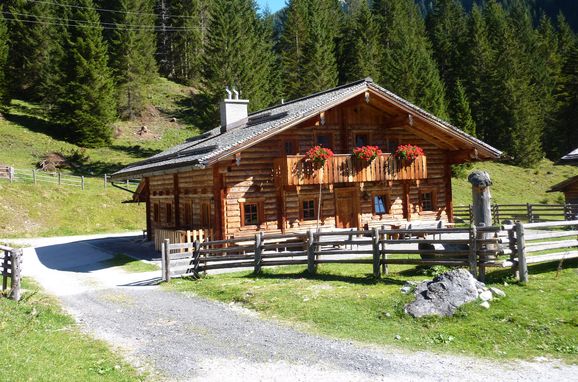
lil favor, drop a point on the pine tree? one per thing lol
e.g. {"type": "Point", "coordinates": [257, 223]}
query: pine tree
{"type": "Point", "coordinates": [293, 41]}
{"type": "Point", "coordinates": [86, 106]}
{"type": "Point", "coordinates": [3, 59]}
{"type": "Point", "coordinates": [360, 46]}
{"type": "Point", "coordinates": [32, 36]}
{"type": "Point", "coordinates": [133, 54]}
{"type": "Point", "coordinates": [408, 67]}
{"type": "Point", "coordinates": [238, 53]}
{"type": "Point", "coordinates": [461, 114]}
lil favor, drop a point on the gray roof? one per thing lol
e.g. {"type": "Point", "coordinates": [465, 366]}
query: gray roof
{"type": "Point", "coordinates": [198, 151]}
{"type": "Point", "coordinates": [571, 157]}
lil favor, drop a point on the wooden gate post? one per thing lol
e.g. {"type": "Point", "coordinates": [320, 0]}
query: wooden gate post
{"type": "Point", "coordinates": [311, 266]}
{"type": "Point", "coordinates": [521, 252]}
{"type": "Point", "coordinates": [258, 252]}
{"type": "Point", "coordinates": [473, 256]}
{"type": "Point", "coordinates": [482, 209]}
{"type": "Point", "coordinates": [166, 260]}
{"type": "Point", "coordinates": [376, 252]}
{"type": "Point", "coordinates": [15, 270]}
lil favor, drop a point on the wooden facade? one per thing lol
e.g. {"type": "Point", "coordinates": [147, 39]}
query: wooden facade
{"type": "Point", "coordinates": [570, 189]}
{"type": "Point", "coordinates": [269, 187]}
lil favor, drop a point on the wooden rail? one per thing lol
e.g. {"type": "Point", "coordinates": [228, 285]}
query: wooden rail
{"type": "Point", "coordinates": [294, 170]}
{"type": "Point", "coordinates": [180, 236]}
{"type": "Point", "coordinates": [11, 262]}
{"type": "Point", "coordinates": [529, 213]}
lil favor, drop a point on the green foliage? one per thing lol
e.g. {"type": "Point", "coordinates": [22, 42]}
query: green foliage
{"type": "Point", "coordinates": [3, 59]}
{"type": "Point", "coordinates": [344, 301]}
{"type": "Point", "coordinates": [408, 67]}
{"type": "Point", "coordinates": [41, 342]}
{"type": "Point", "coordinates": [86, 105]}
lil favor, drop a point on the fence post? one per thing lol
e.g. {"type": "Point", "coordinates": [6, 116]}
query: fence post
{"type": "Point", "coordinates": [529, 212]}
{"type": "Point", "coordinates": [15, 269]}
{"type": "Point", "coordinates": [166, 259]}
{"type": "Point", "coordinates": [196, 257]}
{"type": "Point", "coordinates": [11, 174]}
{"type": "Point", "coordinates": [311, 266]}
{"type": "Point", "coordinates": [473, 256]}
{"type": "Point", "coordinates": [34, 176]}
{"type": "Point", "coordinates": [521, 251]}
{"type": "Point", "coordinates": [5, 270]}
{"type": "Point", "coordinates": [384, 267]}
{"type": "Point", "coordinates": [82, 182]}
{"type": "Point", "coordinates": [105, 180]}
{"type": "Point", "coordinates": [59, 178]}
{"type": "Point", "coordinates": [258, 252]}
{"type": "Point", "coordinates": [376, 252]}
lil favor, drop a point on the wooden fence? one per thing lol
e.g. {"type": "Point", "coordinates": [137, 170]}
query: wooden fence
{"type": "Point", "coordinates": [11, 262]}
{"type": "Point", "coordinates": [529, 213]}
{"type": "Point", "coordinates": [180, 236]}
{"type": "Point", "coordinates": [36, 176]}
{"type": "Point", "coordinates": [475, 248]}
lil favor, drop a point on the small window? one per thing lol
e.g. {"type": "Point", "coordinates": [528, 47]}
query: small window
{"type": "Point", "coordinates": [361, 140]}
{"type": "Point", "coordinates": [290, 147]}
{"type": "Point", "coordinates": [250, 214]}
{"type": "Point", "coordinates": [426, 201]}
{"type": "Point", "coordinates": [380, 205]}
{"type": "Point", "coordinates": [169, 212]}
{"type": "Point", "coordinates": [324, 140]}
{"type": "Point", "coordinates": [205, 215]}
{"type": "Point", "coordinates": [156, 213]}
{"type": "Point", "coordinates": [392, 144]}
{"type": "Point", "coordinates": [308, 209]}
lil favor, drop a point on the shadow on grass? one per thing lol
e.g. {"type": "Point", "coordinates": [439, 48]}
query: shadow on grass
{"type": "Point", "coordinates": [38, 125]}
{"type": "Point", "coordinates": [135, 151]}
{"type": "Point", "coordinates": [199, 111]}
{"type": "Point", "coordinates": [363, 280]}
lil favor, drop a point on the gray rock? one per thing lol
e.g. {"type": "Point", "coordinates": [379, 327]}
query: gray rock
{"type": "Point", "coordinates": [480, 179]}
{"type": "Point", "coordinates": [497, 292]}
{"type": "Point", "coordinates": [408, 287]}
{"type": "Point", "coordinates": [443, 295]}
{"type": "Point", "coordinates": [485, 295]}
{"type": "Point", "coordinates": [485, 305]}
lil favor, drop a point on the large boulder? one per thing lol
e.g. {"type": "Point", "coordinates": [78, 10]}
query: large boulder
{"type": "Point", "coordinates": [444, 294]}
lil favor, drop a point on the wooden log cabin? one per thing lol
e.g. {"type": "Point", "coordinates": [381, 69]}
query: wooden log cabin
{"type": "Point", "coordinates": [569, 187]}
{"type": "Point", "coordinates": [249, 174]}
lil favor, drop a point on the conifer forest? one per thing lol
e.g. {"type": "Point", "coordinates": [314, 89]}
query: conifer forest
{"type": "Point", "coordinates": [504, 71]}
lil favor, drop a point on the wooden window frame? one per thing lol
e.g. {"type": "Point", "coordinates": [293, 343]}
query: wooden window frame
{"type": "Point", "coordinates": [325, 133]}
{"type": "Point", "coordinates": [260, 213]}
{"type": "Point", "coordinates": [388, 141]}
{"type": "Point", "coordinates": [205, 218]}
{"type": "Point", "coordinates": [315, 208]}
{"type": "Point", "coordinates": [388, 204]}
{"type": "Point", "coordinates": [188, 214]}
{"type": "Point", "coordinates": [434, 200]}
{"type": "Point", "coordinates": [295, 144]}
{"type": "Point", "coordinates": [169, 213]}
{"type": "Point", "coordinates": [367, 134]}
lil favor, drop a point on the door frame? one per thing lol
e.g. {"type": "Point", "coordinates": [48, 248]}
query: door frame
{"type": "Point", "coordinates": [353, 191]}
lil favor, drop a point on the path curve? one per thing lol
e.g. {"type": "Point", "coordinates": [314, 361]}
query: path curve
{"type": "Point", "coordinates": [185, 337]}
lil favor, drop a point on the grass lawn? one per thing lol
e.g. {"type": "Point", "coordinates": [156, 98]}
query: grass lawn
{"type": "Point", "coordinates": [41, 343]}
{"type": "Point", "coordinates": [130, 264]}
{"type": "Point", "coordinates": [344, 301]}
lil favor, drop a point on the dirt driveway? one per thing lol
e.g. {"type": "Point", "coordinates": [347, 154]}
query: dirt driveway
{"type": "Point", "coordinates": [185, 337]}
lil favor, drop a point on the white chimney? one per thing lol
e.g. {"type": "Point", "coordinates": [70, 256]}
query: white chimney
{"type": "Point", "coordinates": [233, 111]}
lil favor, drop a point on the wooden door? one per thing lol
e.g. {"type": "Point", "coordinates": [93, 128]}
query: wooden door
{"type": "Point", "coordinates": [345, 208]}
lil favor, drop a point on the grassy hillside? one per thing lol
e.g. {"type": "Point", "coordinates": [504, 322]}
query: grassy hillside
{"type": "Point", "coordinates": [44, 210]}
{"type": "Point", "coordinates": [512, 185]}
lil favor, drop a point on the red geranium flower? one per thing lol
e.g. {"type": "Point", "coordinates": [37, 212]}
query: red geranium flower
{"type": "Point", "coordinates": [318, 155]}
{"type": "Point", "coordinates": [408, 152]}
{"type": "Point", "coordinates": [366, 153]}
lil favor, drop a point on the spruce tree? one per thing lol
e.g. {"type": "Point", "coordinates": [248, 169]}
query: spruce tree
{"type": "Point", "coordinates": [360, 52]}
{"type": "Point", "coordinates": [86, 106]}
{"type": "Point", "coordinates": [461, 114]}
{"type": "Point", "coordinates": [292, 46]}
{"type": "Point", "coordinates": [133, 50]}
{"type": "Point", "coordinates": [238, 53]}
{"type": "Point", "coordinates": [408, 67]}
{"type": "Point", "coordinates": [3, 59]}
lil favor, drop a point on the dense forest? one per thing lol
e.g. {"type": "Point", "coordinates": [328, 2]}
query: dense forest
{"type": "Point", "coordinates": [504, 71]}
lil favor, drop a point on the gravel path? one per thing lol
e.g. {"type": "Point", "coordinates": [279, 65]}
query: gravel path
{"type": "Point", "coordinates": [184, 337]}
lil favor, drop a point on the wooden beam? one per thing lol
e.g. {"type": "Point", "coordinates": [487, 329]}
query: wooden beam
{"type": "Point", "coordinates": [448, 189]}
{"type": "Point", "coordinates": [462, 156]}
{"type": "Point", "coordinates": [218, 203]}
{"type": "Point", "coordinates": [343, 131]}
{"type": "Point", "coordinates": [176, 193]}
{"type": "Point", "coordinates": [149, 226]}
{"type": "Point", "coordinates": [406, 201]}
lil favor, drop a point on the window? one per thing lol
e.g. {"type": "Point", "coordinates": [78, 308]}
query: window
{"type": "Point", "coordinates": [426, 200]}
{"type": "Point", "coordinates": [205, 215]}
{"type": "Point", "coordinates": [324, 140]}
{"type": "Point", "coordinates": [290, 147]}
{"type": "Point", "coordinates": [188, 218]}
{"type": "Point", "coordinates": [156, 212]}
{"type": "Point", "coordinates": [392, 144]}
{"type": "Point", "coordinates": [381, 204]}
{"type": "Point", "coordinates": [169, 212]}
{"type": "Point", "coordinates": [308, 209]}
{"type": "Point", "coordinates": [361, 140]}
{"type": "Point", "coordinates": [250, 212]}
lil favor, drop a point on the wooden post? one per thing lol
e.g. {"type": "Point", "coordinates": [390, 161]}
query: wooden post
{"type": "Point", "coordinates": [258, 252]}
{"type": "Point", "coordinates": [529, 213]}
{"type": "Point", "coordinates": [384, 267]}
{"type": "Point", "coordinates": [473, 256]}
{"type": "Point", "coordinates": [311, 266]}
{"type": "Point", "coordinates": [11, 174]}
{"type": "Point", "coordinates": [196, 257]}
{"type": "Point", "coordinates": [105, 180]}
{"type": "Point", "coordinates": [521, 251]}
{"type": "Point", "coordinates": [82, 182]}
{"type": "Point", "coordinates": [166, 259]}
{"type": "Point", "coordinates": [34, 176]}
{"type": "Point", "coordinates": [5, 270]}
{"type": "Point", "coordinates": [482, 208]}
{"type": "Point", "coordinates": [16, 261]}
{"type": "Point", "coordinates": [59, 178]}
{"type": "Point", "coordinates": [376, 252]}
